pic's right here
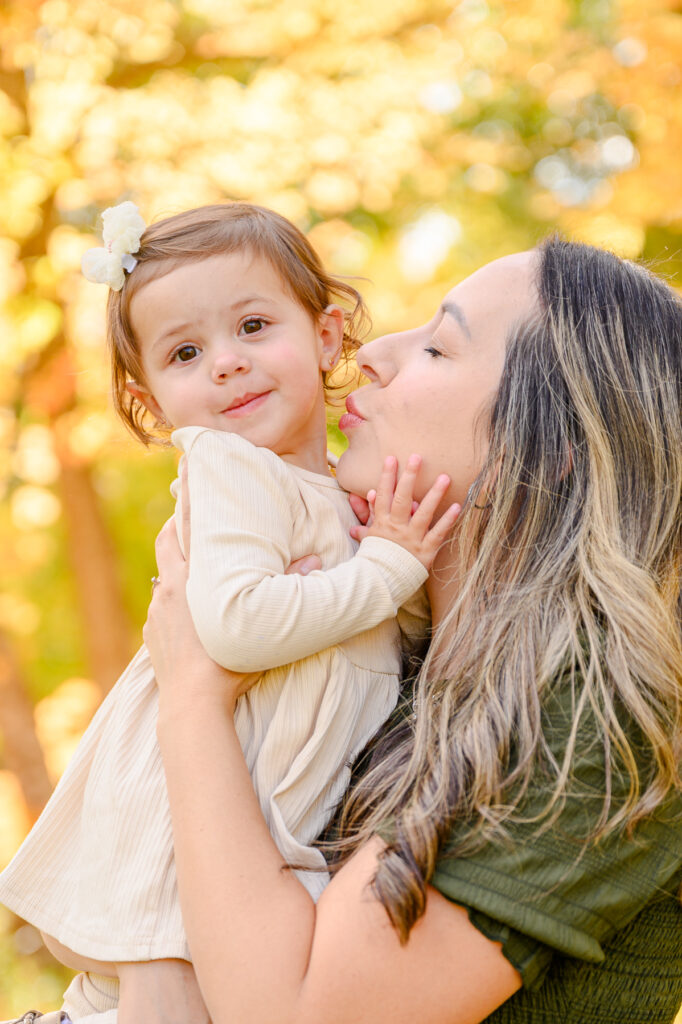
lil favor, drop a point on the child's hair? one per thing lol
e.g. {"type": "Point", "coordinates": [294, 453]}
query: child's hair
{"type": "Point", "coordinates": [211, 231]}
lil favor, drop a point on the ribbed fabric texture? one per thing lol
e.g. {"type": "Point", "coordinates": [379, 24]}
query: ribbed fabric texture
{"type": "Point", "coordinates": [92, 999]}
{"type": "Point", "coordinates": [97, 870]}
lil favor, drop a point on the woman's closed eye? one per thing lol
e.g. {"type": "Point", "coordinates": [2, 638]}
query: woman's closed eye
{"type": "Point", "coordinates": [433, 351]}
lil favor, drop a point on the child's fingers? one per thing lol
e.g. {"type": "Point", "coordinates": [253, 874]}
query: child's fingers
{"type": "Point", "coordinates": [360, 507]}
{"type": "Point", "coordinates": [387, 485]}
{"type": "Point", "coordinates": [439, 532]}
{"type": "Point", "coordinates": [403, 497]}
{"type": "Point", "coordinates": [371, 502]}
{"type": "Point", "coordinates": [430, 502]}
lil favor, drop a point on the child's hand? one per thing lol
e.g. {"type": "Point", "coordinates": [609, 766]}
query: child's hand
{"type": "Point", "coordinates": [396, 516]}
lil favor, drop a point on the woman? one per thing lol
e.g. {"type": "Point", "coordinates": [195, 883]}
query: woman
{"type": "Point", "coordinates": [513, 852]}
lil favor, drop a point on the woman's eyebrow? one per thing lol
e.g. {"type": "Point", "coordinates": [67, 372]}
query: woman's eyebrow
{"type": "Point", "coordinates": [457, 313]}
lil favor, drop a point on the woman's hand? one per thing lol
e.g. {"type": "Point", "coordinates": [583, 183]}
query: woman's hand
{"type": "Point", "coordinates": [184, 672]}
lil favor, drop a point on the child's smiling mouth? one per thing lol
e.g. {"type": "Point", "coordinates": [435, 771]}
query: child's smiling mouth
{"type": "Point", "coordinates": [246, 404]}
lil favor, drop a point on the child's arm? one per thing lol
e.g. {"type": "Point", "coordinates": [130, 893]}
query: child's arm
{"type": "Point", "coordinates": [249, 615]}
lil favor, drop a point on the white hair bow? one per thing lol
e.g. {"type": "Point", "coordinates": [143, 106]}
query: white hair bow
{"type": "Point", "coordinates": [122, 227]}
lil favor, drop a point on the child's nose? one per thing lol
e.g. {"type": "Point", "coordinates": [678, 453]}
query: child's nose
{"type": "Point", "coordinates": [228, 362]}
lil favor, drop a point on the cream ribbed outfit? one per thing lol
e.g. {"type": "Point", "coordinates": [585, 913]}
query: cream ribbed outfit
{"type": "Point", "coordinates": [97, 870]}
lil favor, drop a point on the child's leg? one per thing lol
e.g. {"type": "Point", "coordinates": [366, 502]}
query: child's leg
{"type": "Point", "coordinates": [92, 998]}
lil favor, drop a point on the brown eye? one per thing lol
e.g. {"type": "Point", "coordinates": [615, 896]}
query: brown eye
{"type": "Point", "coordinates": [186, 353]}
{"type": "Point", "coordinates": [253, 325]}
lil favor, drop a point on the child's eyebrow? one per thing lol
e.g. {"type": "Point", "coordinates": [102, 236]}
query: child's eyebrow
{"type": "Point", "coordinates": [171, 332]}
{"type": "Point", "coordinates": [251, 298]}
{"type": "Point", "coordinates": [191, 325]}
{"type": "Point", "coordinates": [235, 305]}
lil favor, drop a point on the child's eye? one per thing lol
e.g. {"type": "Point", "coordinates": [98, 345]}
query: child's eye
{"type": "Point", "coordinates": [253, 325]}
{"type": "Point", "coordinates": [185, 354]}
{"type": "Point", "coordinates": [433, 351]}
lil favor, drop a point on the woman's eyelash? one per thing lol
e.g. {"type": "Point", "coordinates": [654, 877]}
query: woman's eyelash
{"type": "Point", "coordinates": [432, 351]}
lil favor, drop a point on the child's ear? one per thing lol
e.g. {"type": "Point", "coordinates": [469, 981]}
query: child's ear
{"type": "Point", "coordinates": [331, 327]}
{"type": "Point", "coordinates": [146, 398]}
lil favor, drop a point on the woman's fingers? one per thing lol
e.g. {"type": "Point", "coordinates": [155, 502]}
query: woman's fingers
{"type": "Point", "coordinates": [184, 488]}
{"type": "Point", "coordinates": [172, 565]}
{"type": "Point", "coordinates": [166, 544]}
{"type": "Point", "coordinates": [302, 566]}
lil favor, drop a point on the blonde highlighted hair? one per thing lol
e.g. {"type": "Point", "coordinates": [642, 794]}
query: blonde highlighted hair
{"type": "Point", "coordinates": [570, 549]}
{"type": "Point", "coordinates": [212, 231]}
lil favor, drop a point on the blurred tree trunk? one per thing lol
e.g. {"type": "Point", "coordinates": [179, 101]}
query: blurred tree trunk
{"type": "Point", "coordinates": [92, 558]}
{"type": "Point", "coordinates": [23, 753]}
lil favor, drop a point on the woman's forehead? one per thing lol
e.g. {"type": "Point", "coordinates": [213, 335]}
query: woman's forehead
{"type": "Point", "coordinates": [506, 285]}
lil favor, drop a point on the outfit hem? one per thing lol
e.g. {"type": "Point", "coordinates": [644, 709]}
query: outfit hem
{"type": "Point", "coordinates": [84, 945]}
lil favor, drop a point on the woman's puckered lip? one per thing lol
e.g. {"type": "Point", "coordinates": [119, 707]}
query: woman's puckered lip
{"type": "Point", "coordinates": [351, 405]}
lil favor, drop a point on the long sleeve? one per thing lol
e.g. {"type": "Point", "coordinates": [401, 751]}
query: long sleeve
{"type": "Point", "coordinates": [248, 614]}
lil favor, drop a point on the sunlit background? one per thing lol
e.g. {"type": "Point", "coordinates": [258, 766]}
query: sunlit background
{"type": "Point", "coordinates": [413, 141]}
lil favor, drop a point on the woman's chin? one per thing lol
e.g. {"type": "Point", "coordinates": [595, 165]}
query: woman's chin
{"type": "Point", "coordinates": [351, 476]}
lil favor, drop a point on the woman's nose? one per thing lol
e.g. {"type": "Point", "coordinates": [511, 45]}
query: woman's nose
{"type": "Point", "coordinates": [376, 359]}
{"type": "Point", "coordinates": [227, 362]}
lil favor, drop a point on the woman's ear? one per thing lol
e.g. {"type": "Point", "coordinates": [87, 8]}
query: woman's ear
{"type": "Point", "coordinates": [147, 399]}
{"type": "Point", "coordinates": [330, 329]}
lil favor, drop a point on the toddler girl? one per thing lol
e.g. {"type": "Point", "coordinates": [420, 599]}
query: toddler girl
{"type": "Point", "coordinates": [224, 320]}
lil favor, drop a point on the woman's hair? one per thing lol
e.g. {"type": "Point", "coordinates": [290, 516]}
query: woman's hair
{"type": "Point", "coordinates": [213, 231]}
{"type": "Point", "coordinates": [570, 551]}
